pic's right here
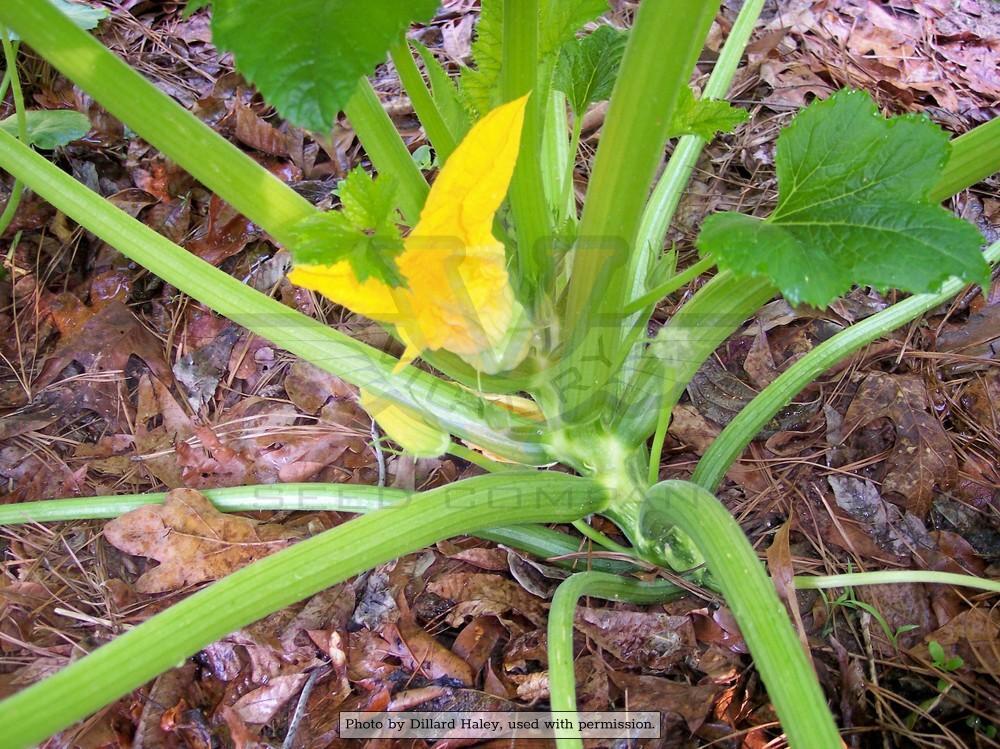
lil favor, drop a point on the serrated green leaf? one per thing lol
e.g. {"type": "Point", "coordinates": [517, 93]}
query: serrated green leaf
{"type": "Point", "coordinates": [852, 208]}
{"type": "Point", "coordinates": [49, 128]}
{"type": "Point", "coordinates": [363, 231]}
{"type": "Point", "coordinates": [558, 21]}
{"type": "Point", "coordinates": [704, 117]}
{"type": "Point", "coordinates": [84, 16]}
{"type": "Point", "coordinates": [306, 57]}
{"type": "Point", "coordinates": [587, 67]}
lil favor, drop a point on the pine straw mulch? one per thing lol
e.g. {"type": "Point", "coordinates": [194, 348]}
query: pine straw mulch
{"type": "Point", "coordinates": [112, 382]}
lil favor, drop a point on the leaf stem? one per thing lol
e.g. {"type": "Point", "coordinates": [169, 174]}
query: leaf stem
{"type": "Point", "coordinates": [12, 79]}
{"type": "Point", "coordinates": [663, 46]}
{"type": "Point", "coordinates": [778, 655]}
{"type": "Point", "coordinates": [974, 156]}
{"type": "Point", "coordinates": [562, 677]}
{"type": "Point", "coordinates": [738, 433]}
{"type": "Point", "coordinates": [440, 137]}
{"type": "Point", "coordinates": [281, 579]}
{"type": "Point", "coordinates": [386, 149]}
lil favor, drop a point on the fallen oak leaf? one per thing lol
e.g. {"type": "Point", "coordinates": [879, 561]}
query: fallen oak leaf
{"type": "Point", "coordinates": [922, 456]}
{"type": "Point", "coordinates": [192, 540]}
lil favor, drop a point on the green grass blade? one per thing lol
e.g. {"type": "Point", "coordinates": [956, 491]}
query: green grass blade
{"type": "Point", "coordinates": [281, 579]}
{"type": "Point", "coordinates": [778, 654]}
{"type": "Point", "coordinates": [458, 410]}
{"type": "Point", "coordinates": [440, 137]}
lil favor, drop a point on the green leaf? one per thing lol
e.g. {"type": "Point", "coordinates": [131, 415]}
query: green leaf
{"type": "Point", "coordinates": [558, 21]}
{"type": "Point", "coordinates": [561, 18]}
{"type": "Point", "coordinates": [588, 67]}
{"type": "Point", "coordinates": [936, 652]}
{"type": "Point", "coordinates": [305, 57]}
{"type": "Point", "coordinates": [82, 15]}
{"type": "Point", "coordinates": [853, 208]}
{"type": "Point", "coordinates": [704, 117]}
{"type": "Point", "coordinates": [49, 128]}
{"type": "Point", "coordinates": [363, 231]}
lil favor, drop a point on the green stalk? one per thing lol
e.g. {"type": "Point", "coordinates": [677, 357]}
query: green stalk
{"type": "Point", "coordinates": [778, 655]}
{"type": "Point", "coordinates": [662, 48]}
{"type": "Point", "coordinates": [458, 410]}
{"type": "Point", "coordinates": [538, 540]}
{"type": "Point", "coordinates": [558, 159]}
{"type": "Point", "coordinates": [426, 108]}
{"type": "Point", "coordinates": [973, 157]}
{"type": "Point", "coordinates": [670, 188]}
{"type": "Point", "coordinates": [894, 577]}
{"type": "Point", "coordinates": [562, 676]}
{"type": "Point", "coordinates": [681, 346]}
{"type": "Point", "coordinates": [386, 149]}
{"type": "Point", "coordinates": [13, 79]}
{"type": "Point", "coordinates": [216, 163]}
{"type": "Point", "coordinates": [671, 285]}
{"type": "Point", "coordinates": [729, 445]}
{"type": "Point", "coordinates": [280, 580]}
{"type": "Point", "coordinates": [520, 76]}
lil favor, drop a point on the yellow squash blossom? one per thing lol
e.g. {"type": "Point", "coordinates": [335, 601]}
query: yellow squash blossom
{"type": "Point", "coordinates": [457, 295]}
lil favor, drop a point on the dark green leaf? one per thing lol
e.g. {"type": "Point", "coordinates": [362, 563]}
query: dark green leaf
{"type": "Point", "coordinates": [363, 231]}
{"type": "Point", "coordinates": [82, 15]}
{"type": "Point", "coordinates": [560, 19]}
{"type": "Point", "coordinates": [307, 56]}
{"type": "Point", "coordinates": [704, 117]}
{"type": "Point", "coordinates": [587, 67]}
{"type": "Point", "coordinates": [49, 128]}
{"type": "Point", "coordinates": [853, 208]}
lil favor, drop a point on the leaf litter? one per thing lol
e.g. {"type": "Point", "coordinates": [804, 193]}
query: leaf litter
{"type": "Point", "coordinates": [130, 385]}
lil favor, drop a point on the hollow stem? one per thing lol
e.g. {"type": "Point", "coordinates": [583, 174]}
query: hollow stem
{"type": "Point", "coordinates": [426, 109]}
{"type": "Point", "coordinates": [562, 676]}
{"type": "Point", "coordinates": [778, 655]}
{"type": "Point", "coordinates": [12, 79]}
{"type": "Point", "coordinates": [281, 579]}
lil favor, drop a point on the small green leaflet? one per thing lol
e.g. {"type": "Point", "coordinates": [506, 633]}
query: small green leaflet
{"type": "Point", "coordinates": [587, 67]}
{"type": "Point", "coordinates": [306, 57]}
{"type": "Point", "coordinates": [49, 128]}
{"type": "Point", "coordinates": [852, 208]}
{"type": "Point", "coordinates": [704, 117]}
{"type": "Point", "coordinates": [558, 20]}
{"type": "Point", "coordinates": [82, 15]}
{"type": "Point", "coordinates": [363, 231]}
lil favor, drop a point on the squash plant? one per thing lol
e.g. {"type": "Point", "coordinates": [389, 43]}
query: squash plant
{"type": "Point", "coordinates": [529, 317]}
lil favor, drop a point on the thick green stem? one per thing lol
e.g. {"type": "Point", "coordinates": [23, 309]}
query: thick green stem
{"type": "Point", "coordinates": [540, 541]}
{"type": "Point", "coordinates": [973, 157]}
{"type": "Point", "coordinates": [667, 194]}
{"type": "Point", "coordinates": [427, 111]}
{"type": "Point", "coordinates": [216, 163]}
{"type": "Point", "coordinates": [458, 410]}
{"type": "Point", "coordinates": [386, 149]}
{"type": "Point", "coordinates": [663, 47]}
{"type": "Point", "coordinates": [728, 446]}
{"type": "Point", "coordinates": [562, 676]}
{"type": "Point", "coordinates": [520, 76]}
{"type": "Point", "coordinates": [281, 579]}
{"type": "Point", "coordinates": [778, 654]}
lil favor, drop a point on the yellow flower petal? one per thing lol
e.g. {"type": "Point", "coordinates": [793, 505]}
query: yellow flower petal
{"type": "Point", "coordinates": [406, 427]}
{"type": "Point", "coordinates": [458, 295]}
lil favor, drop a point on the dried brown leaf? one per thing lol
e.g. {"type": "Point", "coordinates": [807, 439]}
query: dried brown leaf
{"type": "Point", "coordinates": [192, 540]}
{"type": "Point", "coordinates": [476, 594]}
{"type": "Point", "coordinates": [652, 640]}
